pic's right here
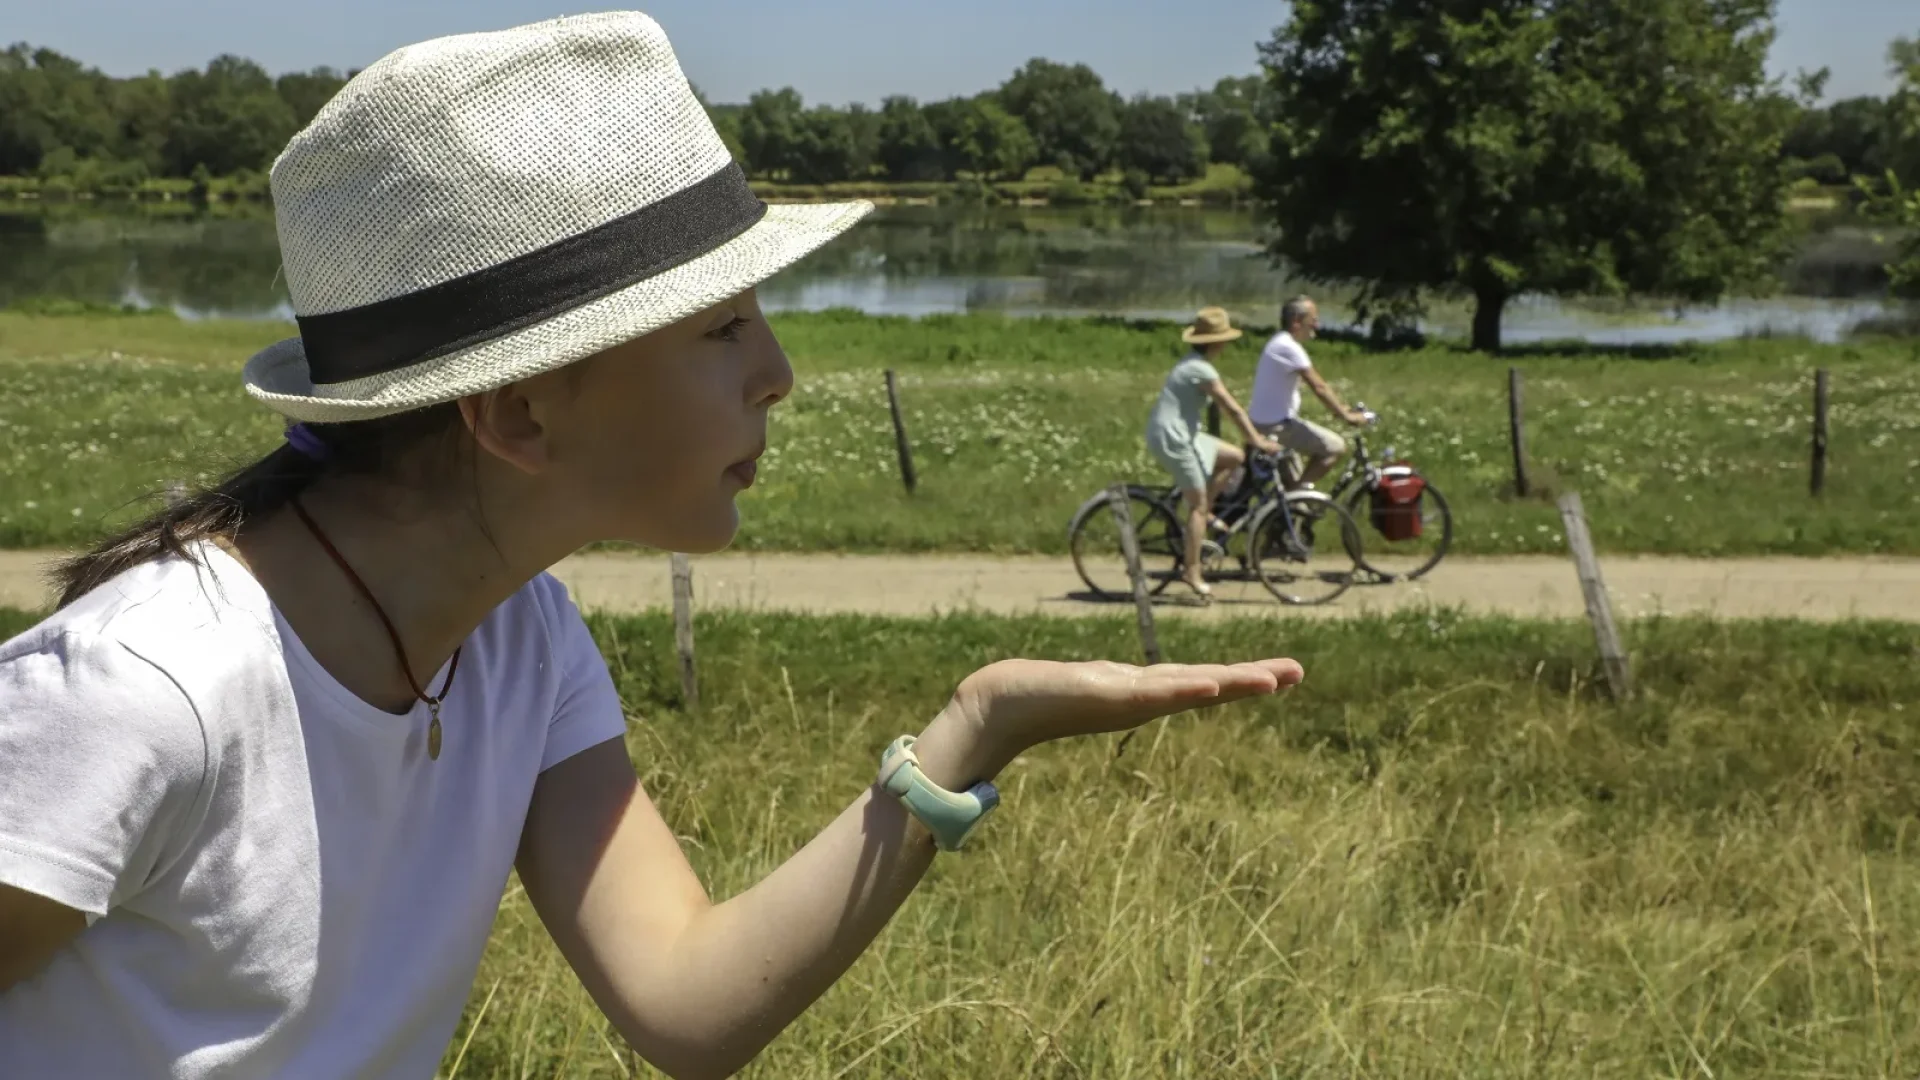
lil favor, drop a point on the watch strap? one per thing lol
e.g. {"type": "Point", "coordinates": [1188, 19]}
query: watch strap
{"type": "Point", "coordinates": [949, 815]}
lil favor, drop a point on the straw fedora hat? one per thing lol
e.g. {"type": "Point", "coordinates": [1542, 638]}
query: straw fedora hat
{"type": "Point", "coordinates": [1209, 326]}
{"type": "Point", "coordinates": [478, 209]}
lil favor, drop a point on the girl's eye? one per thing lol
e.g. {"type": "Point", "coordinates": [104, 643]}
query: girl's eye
{"type": "Point", "coordinates": [731, 331]}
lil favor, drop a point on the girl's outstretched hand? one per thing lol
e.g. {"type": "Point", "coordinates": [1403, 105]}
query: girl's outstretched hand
{"type": "Point", "coordinates": [1015, 704]}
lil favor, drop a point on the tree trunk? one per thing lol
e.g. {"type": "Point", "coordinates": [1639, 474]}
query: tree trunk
{"type": "Point", "coordinates": [1487, 306]}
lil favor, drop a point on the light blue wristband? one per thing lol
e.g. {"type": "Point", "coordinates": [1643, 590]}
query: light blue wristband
{"type": "Point", "coordinates": [950, 815]}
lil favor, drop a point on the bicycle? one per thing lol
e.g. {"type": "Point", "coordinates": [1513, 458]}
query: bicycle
{"type": "Point", "coordinates": [1410, 516]}
{"type": "Point", "coordinates": [1278, 539]}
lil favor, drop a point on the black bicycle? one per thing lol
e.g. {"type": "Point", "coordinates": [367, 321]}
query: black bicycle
{"type": "Point", "coordinates": [1411, 522]}
{"type": "Point", "coordinates": [1302, 545]}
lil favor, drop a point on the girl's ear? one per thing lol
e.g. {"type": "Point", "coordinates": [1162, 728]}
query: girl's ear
{"type": "Point", "coordinates": [504, 423]}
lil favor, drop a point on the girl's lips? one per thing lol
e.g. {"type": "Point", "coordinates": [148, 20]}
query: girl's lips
{"type": "Point", "coordinates": [744, 471]}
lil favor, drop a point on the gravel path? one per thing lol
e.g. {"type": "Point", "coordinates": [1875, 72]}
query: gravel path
{"type": "Point", "coordinates": [1827, 588]}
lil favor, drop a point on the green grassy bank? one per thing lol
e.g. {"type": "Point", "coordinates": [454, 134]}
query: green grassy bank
{"type": "Point", "coordinates": [1443, 855]}
{"type": "Point", "coordinates": [1698, 450]}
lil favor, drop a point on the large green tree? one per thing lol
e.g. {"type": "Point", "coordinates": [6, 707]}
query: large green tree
{"type": "Point", "coordinates": [49, 103]}
{"type": "Point", "coordinates": [781, 138]}
{"type": "Point", "coordinates": [1507, 147]}
{"type": "Point", "coordinates": [1156, 138]}
{"type": "Point", "coordinates": [826, 148]}
{"type": "Point", "coordinates": [770, 130]}
{"type": "Point", "coordinates": [228, 118]}
{"type": "Point", "coordinates": [1901, 206]}
{"type": "Point", "coordinates": [143, 108]}
{"type": "Point", "coordinates": [989, 141]}
{"type": "Point", "coordinates": [863, 128]}
{"type": "Point", "coordinates": [910, 148]}
{"type": "Point", "coordinates": [1903, 111]}
{"type": "Point", "coordinates": [1234, 116]}
{"type": "Point", "coordinates": [1074, 118]}
{"type": "Point", "coordinates": [1851, 132]}
{"type": "Point", "coordinates": [306, 91]}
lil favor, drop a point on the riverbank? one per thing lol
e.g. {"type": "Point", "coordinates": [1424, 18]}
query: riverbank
{"type": "Point", "coordinates": [1696, 450]}
{"type": "Point", "coordinates": [1222, 186]}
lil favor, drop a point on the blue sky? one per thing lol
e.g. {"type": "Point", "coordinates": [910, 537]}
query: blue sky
{"type": "Point", "coordinates": [832, 51]}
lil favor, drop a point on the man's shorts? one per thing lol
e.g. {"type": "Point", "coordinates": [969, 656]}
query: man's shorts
{"type": "Point", "coordinates": [1306, 437]}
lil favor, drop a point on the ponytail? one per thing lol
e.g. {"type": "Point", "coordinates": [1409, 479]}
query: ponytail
{"type": "Point", "coordinates": [364, 447]}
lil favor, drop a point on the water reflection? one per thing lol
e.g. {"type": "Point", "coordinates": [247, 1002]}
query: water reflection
{"type": "Point", "coordinates": [215, 265]}
{"type": "Point", "coordinates": [906, 260]}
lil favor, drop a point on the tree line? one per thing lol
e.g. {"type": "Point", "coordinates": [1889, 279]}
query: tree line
{"type": "Point", "coordinates": [60, 118]}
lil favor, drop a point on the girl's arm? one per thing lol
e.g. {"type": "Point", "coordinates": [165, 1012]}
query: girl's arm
{"type": "Point", "coordinates": [700, 988]}
{"type": "Point", "coordinates": [32, 929]}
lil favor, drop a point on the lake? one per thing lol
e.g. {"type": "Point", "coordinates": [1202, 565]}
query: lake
{"type": "Point", "coordinates": [902, 260]}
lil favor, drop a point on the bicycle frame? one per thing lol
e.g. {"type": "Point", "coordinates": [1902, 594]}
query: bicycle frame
{"type": "Point", "coordinates": [1359, 465]}
{"type": "Point", "coordinates": [1243, 508]}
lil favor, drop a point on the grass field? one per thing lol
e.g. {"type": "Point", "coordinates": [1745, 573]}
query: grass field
{"type": "Point", "coordinates": [1443, 855]}
{"type": "Point", "coordinates": [1700, 450]}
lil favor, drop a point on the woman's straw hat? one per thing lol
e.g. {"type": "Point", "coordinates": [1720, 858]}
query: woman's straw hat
{"type": "Point", "coordinates": [1209, 326]}
{"type": "Point", "coordinates": [478, 209]}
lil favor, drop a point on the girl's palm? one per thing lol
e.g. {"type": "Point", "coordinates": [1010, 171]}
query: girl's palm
{"type": "Point", "coordinates": [1033, 701]}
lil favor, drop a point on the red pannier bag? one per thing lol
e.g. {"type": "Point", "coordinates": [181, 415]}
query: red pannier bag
{"type": "Point", "coordinates": [1396, 507]}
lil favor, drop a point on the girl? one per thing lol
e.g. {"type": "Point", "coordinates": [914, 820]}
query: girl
{"type": "Point", "coordinates": [1200, 463]}
{"type": "Point", "coordinates": [264, 773]}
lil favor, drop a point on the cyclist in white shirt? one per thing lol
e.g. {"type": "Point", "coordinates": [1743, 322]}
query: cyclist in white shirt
{"type": "Point", "coordinates": [1275, 404]}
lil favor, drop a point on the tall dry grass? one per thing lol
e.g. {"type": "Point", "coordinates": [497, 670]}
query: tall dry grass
{"type": "Point", "coordinates": [1444, 855]}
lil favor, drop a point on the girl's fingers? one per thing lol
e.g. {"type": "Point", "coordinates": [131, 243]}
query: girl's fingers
{"type": "Point", "coordinates": [1262, 676]}
{"type": "Point", "coordinates": [1175, 687]}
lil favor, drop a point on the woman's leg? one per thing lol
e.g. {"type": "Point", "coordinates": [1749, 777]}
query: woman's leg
{"type": "Point", "coordinates": [1226, 459]}
{"type": "Point", "coordinates": [1199, 510]}
{"type": "Point", "coordinates": [1194, 473]}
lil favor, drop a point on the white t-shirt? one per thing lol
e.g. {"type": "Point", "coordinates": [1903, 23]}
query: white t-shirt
{"type": "Point", "coordinates": [1276, 381]}
{"type": "Point", "coordinates": [278, 880]}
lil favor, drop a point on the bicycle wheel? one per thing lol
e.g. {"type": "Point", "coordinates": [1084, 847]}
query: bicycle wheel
{"type": "Point", "coordinates": [1094, 539]}
{"type": "Point", "coordinates": [1306, 553]}
{"type": "Point", "coordinates": [1404, 560]}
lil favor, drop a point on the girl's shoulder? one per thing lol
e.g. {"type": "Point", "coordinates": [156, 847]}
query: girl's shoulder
{"type": "Point", "coordinates": [97, 700]}
{"type": "Point", "coordinates": [200, 609]}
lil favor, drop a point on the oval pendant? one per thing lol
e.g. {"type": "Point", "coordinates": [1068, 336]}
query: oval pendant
{"type": "Point", "coordinates": [433, 737]}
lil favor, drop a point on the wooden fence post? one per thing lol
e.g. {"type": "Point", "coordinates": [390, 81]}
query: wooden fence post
{"type": "Point", "coordinates": [1515, 422]}
{"type": "Point", "coordinates": [1819, 431]}
{"type": "Point", "coordinates": [900, 443]}
{"type": "Point", "coordinates": [683, 628]}
{"type": "Point", "coordinates": [1130, 547]}
{"type": "Point", "coordinates": [1613, 657]}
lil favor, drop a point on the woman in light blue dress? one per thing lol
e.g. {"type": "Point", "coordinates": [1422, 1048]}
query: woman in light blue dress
{"type": "Point", "coordinates": [1199, 462]}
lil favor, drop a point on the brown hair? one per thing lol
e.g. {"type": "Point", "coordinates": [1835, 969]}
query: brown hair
{"type": "Point", "coordinates": [364, 448]}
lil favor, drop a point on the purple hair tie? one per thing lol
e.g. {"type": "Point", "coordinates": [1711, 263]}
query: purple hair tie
{"type": "Point", "coordinates": [302, 438]}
